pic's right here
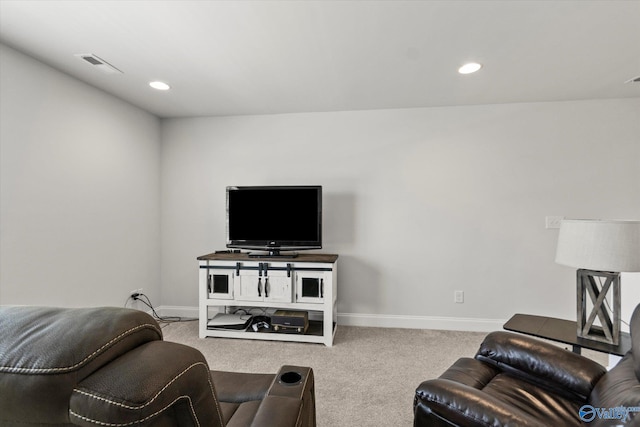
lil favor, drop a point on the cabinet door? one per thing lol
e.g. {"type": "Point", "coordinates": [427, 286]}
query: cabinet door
{"type": "Point", "coordinates": [220, 283]}
{"type": "Point", "coordinates": [278, 287]}
{"type": "Point", "coordinates": [275, 286]}
{"type": "Point", "coordinates": [310, 286]}
{"type": "Point", "coordinates": [249, 287]}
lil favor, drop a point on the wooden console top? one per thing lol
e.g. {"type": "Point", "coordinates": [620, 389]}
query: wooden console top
{"type": "Point", "coordinates": [331, 258]}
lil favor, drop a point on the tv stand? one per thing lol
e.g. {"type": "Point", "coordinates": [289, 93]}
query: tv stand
{"type": "Point", "coordinates": [240, 282]}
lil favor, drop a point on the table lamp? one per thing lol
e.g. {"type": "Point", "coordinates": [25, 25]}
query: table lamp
{"type": "Point", "coordinates": [601, 250]}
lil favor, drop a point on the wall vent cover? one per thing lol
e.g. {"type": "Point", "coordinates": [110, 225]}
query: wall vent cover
{"type": "Point", "coordinates": [98, 63]}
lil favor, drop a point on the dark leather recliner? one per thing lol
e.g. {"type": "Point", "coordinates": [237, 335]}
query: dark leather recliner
{"type": "Point", "coordinates": [515, 380]}
{"type": "Point", "coordinates": [110, 367]}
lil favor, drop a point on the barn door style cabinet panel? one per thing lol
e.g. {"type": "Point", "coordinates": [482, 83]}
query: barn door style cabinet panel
{"type": "Point", "coordinates": [232, 283]}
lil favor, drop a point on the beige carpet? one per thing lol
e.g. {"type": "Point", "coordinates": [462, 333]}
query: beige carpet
{"type": "Point", "coordinates": [367, 378]}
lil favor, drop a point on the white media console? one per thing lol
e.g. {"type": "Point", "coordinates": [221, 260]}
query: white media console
{"type": "Point", "coordinates": [232, 282]}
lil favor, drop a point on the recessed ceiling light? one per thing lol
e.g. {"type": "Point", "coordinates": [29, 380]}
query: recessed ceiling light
{"type": "Point", "coordinates": [159, 85]}
{"type": "Point", "coordinates": [469, 68]}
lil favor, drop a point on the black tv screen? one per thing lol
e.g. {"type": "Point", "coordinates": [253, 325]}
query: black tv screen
{"type": "Point", "coordinates": [274, 217]}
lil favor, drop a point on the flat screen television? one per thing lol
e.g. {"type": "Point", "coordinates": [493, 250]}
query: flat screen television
{"type": "Point", "coordinates": [274, 218]}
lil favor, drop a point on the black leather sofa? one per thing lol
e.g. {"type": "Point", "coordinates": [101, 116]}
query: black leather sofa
{"type": "Point", "coordinates": [515, 380]}
{"type": "Point", "coordinates": [110, 367]}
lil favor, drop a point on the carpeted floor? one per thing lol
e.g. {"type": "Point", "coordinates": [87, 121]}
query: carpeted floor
{"type": "Point", "coordinates": [367, 378]}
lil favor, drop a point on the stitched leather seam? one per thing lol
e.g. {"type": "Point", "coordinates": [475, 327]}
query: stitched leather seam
{"type": "Point", "coordinates": [18, 370]}
{"type": "Point", "coordinates": [213, 395]}
{"type": "Point", "coordinates": [102, 423]}
{"type": "Point", "coordinates": [299, 417]}
{"type": "Point", "coordinates": [304, 386]}
{"type": "Point", "coordinates": [137, 407]}
{"type": "Point", "coordinates": [174, 379]}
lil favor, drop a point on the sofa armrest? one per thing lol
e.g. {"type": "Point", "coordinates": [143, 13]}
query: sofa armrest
{"type": "Point", "coordinates": [292, 385]}
{"type": "Point", "coordinates": [279, 411]}
{"type": "Point", "coordinates": [157, 381]}
{"type": "Point", "coordinates": [448, 403]}
{"type": "Point", "coordinates": [541, 363]}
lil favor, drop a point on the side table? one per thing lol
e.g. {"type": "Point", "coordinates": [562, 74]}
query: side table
{"type": "Point", "coordinates": [564, 331]}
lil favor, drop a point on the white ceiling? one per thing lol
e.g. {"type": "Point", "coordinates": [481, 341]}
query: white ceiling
{"type": "Point", "coordinates": [265, 57]}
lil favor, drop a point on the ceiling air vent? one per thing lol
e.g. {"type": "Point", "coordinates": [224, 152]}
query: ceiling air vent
{"type": "Point", "coordinates": [98, 63]}
{"type": "Point", "coordinates": [634, 80]}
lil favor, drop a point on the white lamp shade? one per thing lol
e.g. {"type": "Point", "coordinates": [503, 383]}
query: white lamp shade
{"type": "Point", "coordinates": [602, 245]}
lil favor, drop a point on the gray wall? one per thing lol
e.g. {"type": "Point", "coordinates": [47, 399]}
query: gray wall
{"type": "Point", "coordinates": [79, 190]}
{"type": "Point", "coordinates": [418, 202]}
{"type": "Point", "coordinates": [98, 197]}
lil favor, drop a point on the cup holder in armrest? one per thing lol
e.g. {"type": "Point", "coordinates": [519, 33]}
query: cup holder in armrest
{"type": "Point", "coordinates": [290, 378]}
{"type": "Point", "coordinates": [292, 381]}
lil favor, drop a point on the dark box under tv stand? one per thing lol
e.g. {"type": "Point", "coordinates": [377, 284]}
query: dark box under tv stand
{"type": "Point", "coordinates": [305, 282]}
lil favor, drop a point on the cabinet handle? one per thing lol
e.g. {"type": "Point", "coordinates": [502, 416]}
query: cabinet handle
{"type": "Point", "coordinates": [321, 288]}
{"type": "Point", "coordinates": [266, 287]}
{"type": "Point", "coordinates": [259, 287]}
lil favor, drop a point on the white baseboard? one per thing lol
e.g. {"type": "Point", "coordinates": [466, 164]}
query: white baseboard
{"type": "Point", "coordinates": [177, 311]}
{"type": "Point", "coordinates": [380, 320]}
{"type": "Point", "coordinates": [420, 322]}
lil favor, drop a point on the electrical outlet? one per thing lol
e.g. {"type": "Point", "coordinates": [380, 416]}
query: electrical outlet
{"type": "Point", "coordinates": [553, 221]}
{"type": "Point", "coordinates": [458, 297]}
{"type": "Point", "coordinates": [134, 292]}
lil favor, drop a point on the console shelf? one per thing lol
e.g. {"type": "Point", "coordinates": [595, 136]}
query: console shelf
{"type": "Point", "coordinates": [306, 282]}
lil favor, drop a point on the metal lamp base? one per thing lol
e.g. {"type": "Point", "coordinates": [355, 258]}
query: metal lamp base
{"type": "Point", "coordinates": [609, 329]}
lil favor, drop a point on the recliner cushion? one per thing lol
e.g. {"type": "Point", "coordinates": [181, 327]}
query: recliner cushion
{"type": "Point", "coordinates": [471, 372]}
{"type": "Point", "coordinates": [527, 401]}
{"type": "Point", "coordinates": [541, 363]}
{"type": "Point", "coordinates": [242, 415]}
{"type": "Point", "coordinates": [238, 387]}
{"type": "Point", "coordinates": [45, 352]}
{"type": "Point", "coordinates": [634, 326]}
{"type": "Point", "coordinates": [144, 384]}
{"type": "Point", "coordinates": [540, 404]}
{"type": "Point", "coordinates": [618, 388]}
